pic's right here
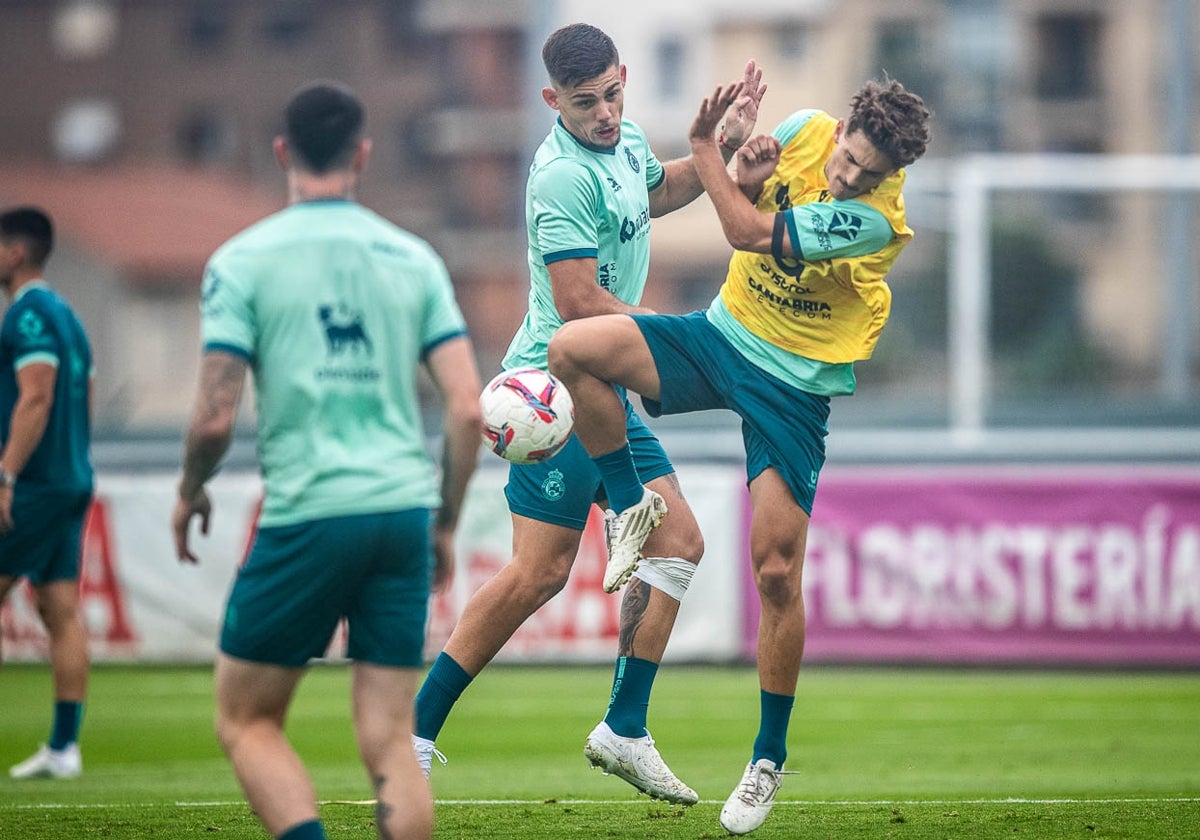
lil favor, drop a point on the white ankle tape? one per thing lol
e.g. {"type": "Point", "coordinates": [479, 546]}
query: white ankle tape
{"type": "Point", "coordinates": [671, 575]}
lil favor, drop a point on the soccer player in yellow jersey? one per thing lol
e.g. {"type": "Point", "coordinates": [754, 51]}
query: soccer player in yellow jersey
{"type": "Point", "coordinates": [805, 298]}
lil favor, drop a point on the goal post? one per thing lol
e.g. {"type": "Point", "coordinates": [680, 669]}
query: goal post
{"type": "Point", "coordinates": [972, 181]}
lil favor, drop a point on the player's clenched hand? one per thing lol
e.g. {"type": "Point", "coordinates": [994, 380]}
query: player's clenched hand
{"type": "Point", "coordinates": [741, 116]}
{"type": "Point", "coordinates": [756, 160]}
{"type": "Point", "coordinates": [712, 110]}
{"type": "Point", "coordinates": [181, 520]}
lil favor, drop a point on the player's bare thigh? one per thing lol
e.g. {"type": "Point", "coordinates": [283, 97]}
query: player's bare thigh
{"type": "Point", "coordinates": [607, 347]}
{"type": "Point", "coordinates": [544, 548]}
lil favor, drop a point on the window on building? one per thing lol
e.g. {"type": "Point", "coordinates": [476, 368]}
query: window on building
{"type": "Point", "coordinates": [84, 29]}
{"type": "Point", "coordinates": [900, 51]}
{"type": "Point", "coordinates": [207, 24]}
{"type": "Point", "coordinates": [414, 143]}
{"type": "Point", "coordinates": [207, 135]}
{"type": "Point", "coordinates": [1067, 59]}
{"type": "Point", "coordinates": [669, 56]}
{"type": "Point", "coordinates": [791, 40]}
{"type": "Point", "coordinates": [86, 131]}
{"type": "Point", "coordinates": [289, 22]}
{"type": "Point", "coordinates": [400, 23]}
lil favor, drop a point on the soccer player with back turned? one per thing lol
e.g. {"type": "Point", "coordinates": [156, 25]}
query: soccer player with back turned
{"type": "Point", "coordinates": [334, 310]}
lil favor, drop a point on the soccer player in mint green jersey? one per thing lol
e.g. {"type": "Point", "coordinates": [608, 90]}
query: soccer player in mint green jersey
{"type": "Point", "coordinates": [817, 218]}
{"type": "Point", "coordinates": [334, 310]}
{"type": "Point", "coordinates": [593, 188]}
{"type": "Point", "coordinates": [45, 469]}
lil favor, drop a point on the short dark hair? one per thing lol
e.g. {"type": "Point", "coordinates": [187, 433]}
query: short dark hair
{"type": "Point", "coordinates": [34, 227]}
{"type": "Point", "coordinates": [323, 123]}
{"type": "Point", "coordinates": [894, 120]}
{"type": "Point", "coordinates": [578, 52]}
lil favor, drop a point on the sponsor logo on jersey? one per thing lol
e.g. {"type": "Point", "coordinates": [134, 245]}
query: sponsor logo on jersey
{"type": "Point", "coordinates": [846, 225]}
{"type": "Point", "coordinates": [614, 183]}
{"type": "Point", "coordinates": [636, 226]}
{"type": "Point", "coordinates": [344, 331]}
{"type": "Point", "coordinates": [798, 306]}
{"type": "Point", "coordinates": [606, 275]}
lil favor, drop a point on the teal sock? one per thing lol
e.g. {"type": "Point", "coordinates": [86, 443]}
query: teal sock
{"type": "Point", "coordinates": [632, 680]}
{"type": "Point", "coordinates": [771, 742]}
{"type": "Point", "coordinates": [444, 684]}
{"type": "Point", "coordinates": [621, 483]}
{"type": "Point", "coordinates": [311, 830]}
{"type": "Point", "coordinates": [68, 715]}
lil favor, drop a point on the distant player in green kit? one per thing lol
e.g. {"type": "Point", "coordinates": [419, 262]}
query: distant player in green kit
{"type": "Point", "coordinates": [593, 187]}
{"type": "Point", "coordinates": [334, 310]}
{"type": "Point", "coordinates": [45, 469]}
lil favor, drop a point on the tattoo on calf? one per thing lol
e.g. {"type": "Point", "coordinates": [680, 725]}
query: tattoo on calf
{"type": "Point", "coordinates": [633, 610]}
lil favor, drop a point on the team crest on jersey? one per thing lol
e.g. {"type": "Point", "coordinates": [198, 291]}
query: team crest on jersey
{"type": "Point", "coordinates": [553, 488]}
{"type": "Point", "coordinates": [632, 158]}
{"type": "Point", "coordinates": [208, 293]}
{"type": "Point", "coordinates": [30, 324]}
{"type": "Point", "coordinates": [344, 331]}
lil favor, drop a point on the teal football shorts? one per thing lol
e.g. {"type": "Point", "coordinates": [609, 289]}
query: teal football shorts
{"type": "Point", "coordinates": [300, 580]}
{"type": "Point", "coordinates": [782, 426]}
{"type": "Point", "coordinates": [561, 490]}
{"type": "Point", "coordinates": [43, 545]}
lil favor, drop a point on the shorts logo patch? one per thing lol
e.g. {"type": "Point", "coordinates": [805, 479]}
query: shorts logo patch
{"type": "Point", "coordinates": [553, 488]}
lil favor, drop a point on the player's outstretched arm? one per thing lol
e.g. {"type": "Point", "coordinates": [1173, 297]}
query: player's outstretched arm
{"type": "Point", "coordinates": [455, 375]}
{"type": "Point", "coordinates": [742, 115]}
{"type": "Point", "coordinates": [681, 184]}
{"type": "Point", "coordinates": [744, 226]}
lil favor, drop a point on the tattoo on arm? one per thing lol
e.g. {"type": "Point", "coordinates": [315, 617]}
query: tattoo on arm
{"type": "Point", "coordinates": [221, 380]}
{"type": "Point", "coordinates": [633, 610]}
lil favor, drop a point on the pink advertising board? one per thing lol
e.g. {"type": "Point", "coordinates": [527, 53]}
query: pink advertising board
{"type": "Point", "coordinates": [1038, 564]}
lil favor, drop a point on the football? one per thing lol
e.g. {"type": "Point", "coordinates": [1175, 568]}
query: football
{"type": "Point", "coordinates": [527, 415]}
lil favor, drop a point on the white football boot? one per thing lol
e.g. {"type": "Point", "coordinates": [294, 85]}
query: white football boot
{"type": "Point", "coordinates": [46, 763]}
{"type": "Point", "coordinates": [624, 534]}
{"type": "Point", "coordinates": [636, 761]}
{"type": "Point", "coordinates": [751, 801]}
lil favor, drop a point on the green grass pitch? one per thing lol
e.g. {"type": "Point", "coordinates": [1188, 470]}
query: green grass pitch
{"type": "Point", "coordinates": [881, 753]}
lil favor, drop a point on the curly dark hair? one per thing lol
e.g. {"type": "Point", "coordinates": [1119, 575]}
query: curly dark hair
{"type": "Point", "coordinates": [894, 119]}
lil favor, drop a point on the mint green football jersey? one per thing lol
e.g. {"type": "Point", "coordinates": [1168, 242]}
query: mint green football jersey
{"type": "Point", "coordinates": [334, 308]}
{"type": "Point", "coordinates": [581, 201]}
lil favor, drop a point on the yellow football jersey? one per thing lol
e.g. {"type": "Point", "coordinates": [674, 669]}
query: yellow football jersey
{"type": "Point", "coordinates": [831, 310]}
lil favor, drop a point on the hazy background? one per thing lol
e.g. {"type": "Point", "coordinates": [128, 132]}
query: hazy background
{"type": "Point", "coordinates": [1032, 318]}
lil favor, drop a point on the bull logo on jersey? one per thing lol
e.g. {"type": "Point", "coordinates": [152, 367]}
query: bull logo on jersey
{"type": "Point", "coordinates": [344, 332]}
{"type": "Point", "coordinates": [846, 225]}
{"type": "Point", "coordinates": [632, 158]}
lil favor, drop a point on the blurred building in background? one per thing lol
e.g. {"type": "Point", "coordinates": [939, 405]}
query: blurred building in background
{"type": "Point", "coordinates": [144, 126]}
